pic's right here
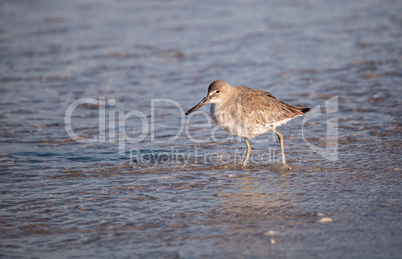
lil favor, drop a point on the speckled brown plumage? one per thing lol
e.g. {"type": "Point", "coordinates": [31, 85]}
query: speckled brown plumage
{"type": "Point", "coordinates": [248, 112]}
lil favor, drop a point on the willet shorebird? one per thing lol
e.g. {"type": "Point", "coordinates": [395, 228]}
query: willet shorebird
{"type": "Point", "coordinates": [248, 112]}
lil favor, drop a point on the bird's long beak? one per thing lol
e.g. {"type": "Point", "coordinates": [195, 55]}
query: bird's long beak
{"type": "Point", "coordinates": [199, 105]}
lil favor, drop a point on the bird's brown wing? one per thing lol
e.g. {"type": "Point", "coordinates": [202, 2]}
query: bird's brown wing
{"type": "Point", "coordinates": [261, 107]}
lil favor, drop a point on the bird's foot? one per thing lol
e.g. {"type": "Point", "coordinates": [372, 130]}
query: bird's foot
{"type": "Point", "coordinates": [287, 167]}
{"type": "Point", "coordinates": [283, 168]}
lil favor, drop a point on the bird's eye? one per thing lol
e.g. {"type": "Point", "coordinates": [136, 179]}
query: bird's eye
{"type": "Point", "coordinates": [217, 91]}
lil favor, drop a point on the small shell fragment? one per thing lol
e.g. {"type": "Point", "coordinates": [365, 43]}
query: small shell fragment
{"type": "Point", "coordinates": [325, 219]}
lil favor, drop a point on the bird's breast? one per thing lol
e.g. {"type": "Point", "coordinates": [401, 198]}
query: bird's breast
{"type": "Point", "coordinates": [219, 115]}
{"type": "Point", "coordinates": [233, 121]}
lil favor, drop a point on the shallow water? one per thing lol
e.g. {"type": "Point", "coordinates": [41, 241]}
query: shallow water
{"type": "Point", "coordinates": [163, 192]}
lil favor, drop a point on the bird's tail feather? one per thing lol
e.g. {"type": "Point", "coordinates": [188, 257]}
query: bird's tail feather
{"type": "Point", "coordinates": [296, 110]}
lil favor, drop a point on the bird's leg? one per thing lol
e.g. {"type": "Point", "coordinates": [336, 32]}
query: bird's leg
{"type": "Point", "coordinates": [280, 137]}
{"type": "Point", "coordinates": [247, 154]}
